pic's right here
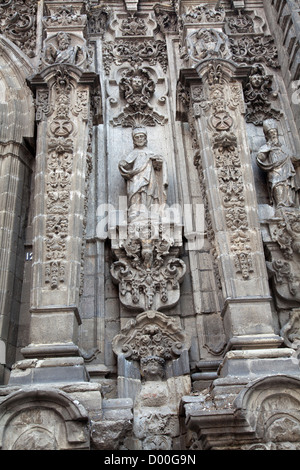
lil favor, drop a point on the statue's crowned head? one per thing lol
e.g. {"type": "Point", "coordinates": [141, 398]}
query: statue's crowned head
{"type": "Point", "coordinates": [139, 136]}
{"type": "Point", "coordinates": [269, 124]}
{"type": "Point", "coordinates": [139, 130]}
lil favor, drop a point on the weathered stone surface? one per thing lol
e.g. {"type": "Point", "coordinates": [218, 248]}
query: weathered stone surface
{"type": "Point", "coordinates": [149, 224]}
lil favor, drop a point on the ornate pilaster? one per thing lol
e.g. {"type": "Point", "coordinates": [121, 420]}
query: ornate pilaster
{"type": "Point", "coordinates": [214, 92]}
{"type": "Point", "coordinates": [64, 113]}
{"type": "Point", "coordinates": [219, 91]}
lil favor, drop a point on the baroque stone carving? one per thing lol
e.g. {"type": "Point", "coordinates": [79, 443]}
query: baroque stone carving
{"type": "Point", "coordinates": [254, 49]}
{"type": "Point", "coordinates": [283, 268]}
{"type": "Point", "coordinates": [218, 107]}
{"type": "Point", "coordinates": [291, 331]}
{"type": "Point", "coordinates": [18, 23]}
{"type": "Point", "coordinates": [133, 26]}
{"type": "Point", "coordinates": [65, 50]}
{"type": "Point", "coordinates": [258, 94]}
{"type": "Point", "coordinates": [135, 53]}
{"type": "Point", "coordinates": [276, 160]}
{"type": "Point", "coordinates": [203, 14]}
{"type": "Point", "coordinates": [98, 19]}
{"type": "Point", "coordinates": [151, 337]}
{"type": "Point", "coordinates": [240, 24]}
{"type": "Point", "coordinates": [146, 175]}
{"type": "Point", "coordinates": [137, 88]}
{"type": "Point", "coordinates": [148, 272]}
{"type": "Point", "coordinates": [61, 16]}
{"type": "Point", "coordinates": [207, 44]}
{"type": "Point", "coordinates": [166, 17]}
{"type": "Point", "coordinates": [58, 180]}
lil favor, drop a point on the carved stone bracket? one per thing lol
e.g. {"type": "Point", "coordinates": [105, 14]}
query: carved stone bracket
{"type": "Point", "coordinates": [151, 334]}
{"type": "Point", "coordinates": [148, 270]}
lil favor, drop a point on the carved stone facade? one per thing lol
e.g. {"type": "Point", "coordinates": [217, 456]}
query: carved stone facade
{"type": "Point", "coordinates": [150, 225]}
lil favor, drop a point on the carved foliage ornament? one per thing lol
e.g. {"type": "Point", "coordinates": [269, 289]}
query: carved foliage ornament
{"type": "Point", "coordinates": [258, 93]}
{"type": "Point", "coordinates": [64, 16]}
{"type": "Point", "coordinates": [216, 100]}
{"type": "Point", "coordinates": [135, 53]}
{"type": "Point", "coordinates": [18, 23]}
{"type": "Point", "coordinates": [150, 334]}
{"type": "Point", "coordinates": [254, 49]}
{"type": "Point", "coordinates": [203, 14]}
{"type": "Point", "coordinates": [69, 103]}
{"type": "Point", "coordinates": [148, 273]}
{"type": "Point", "coordinates": [137, 88]}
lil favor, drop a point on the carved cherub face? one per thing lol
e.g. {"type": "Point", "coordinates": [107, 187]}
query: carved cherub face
{"type": "Point", "coordinates": [256, 80]}
{"type": "Point", "coordinates": [153, 368]}
{"type": "Point", "coordinates": [137, 83]}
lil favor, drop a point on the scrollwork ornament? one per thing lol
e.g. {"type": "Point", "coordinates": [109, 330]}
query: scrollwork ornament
{"type": "Point", "coordinates": [18, 23]}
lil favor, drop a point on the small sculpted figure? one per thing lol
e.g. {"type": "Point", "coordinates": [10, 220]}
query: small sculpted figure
{"type": "Point", "coordinates": [275, 159]}
{"type": "Point", "coordinates": [146, 176]}
{"type": "Point", "coordinates": [65, 53]}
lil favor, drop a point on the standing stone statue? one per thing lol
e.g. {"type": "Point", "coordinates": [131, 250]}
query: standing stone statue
{"type": "Point", "coordinates": [146, 176]}
{"type": "Point", "coordinates": [274, 159]}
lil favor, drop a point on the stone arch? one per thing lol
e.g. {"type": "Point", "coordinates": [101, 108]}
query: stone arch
{"type": "Point", "coordinates": [17, 117]}
{"type": "Point", "coordinates": [272, 407]}
{"type": "Point", "coordinates": [16, 103]}
{"type": "Point", "coordinates": [43, 419]}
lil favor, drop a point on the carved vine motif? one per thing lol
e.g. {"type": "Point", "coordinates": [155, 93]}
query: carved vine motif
{"type": "Point", "coordinates": [68, 103]}
{"type": "Point", "coordinates": [18, 23]}
{"type": "Point", "coordinates": [254, 49]}
{"type": "Point", "coordinates": [203, 14]}
{"type": "Point", "coordinates": [133, 26]}
{"type": "Point", "coordinates": [58, 180]}
{"type": "Point", "coordinates": [258, 94]}
{"type": "Point", "coordinates": [135, 53]}
{"type": "Point", "coordinates": [217, 106]}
